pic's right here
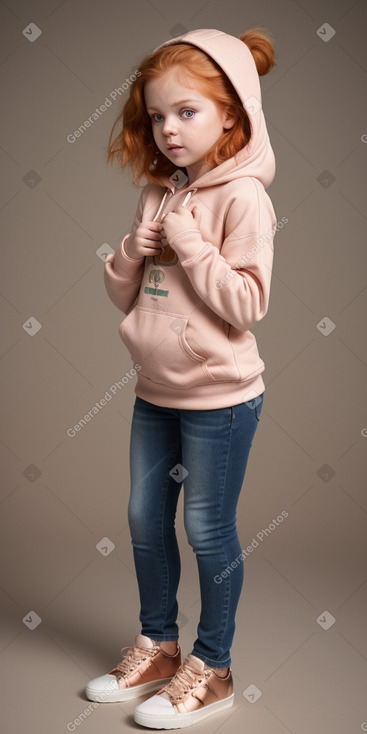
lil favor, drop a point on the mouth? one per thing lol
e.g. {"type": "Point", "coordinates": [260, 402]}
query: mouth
{"type": "Point", "coordinates": [174, 147]}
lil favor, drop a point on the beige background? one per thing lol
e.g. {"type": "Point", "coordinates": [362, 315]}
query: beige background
{"type": "Point", "coordinates": [62, 495]}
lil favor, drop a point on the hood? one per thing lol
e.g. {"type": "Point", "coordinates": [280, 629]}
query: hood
{"type": "Point", "coordinates": [235, 59]}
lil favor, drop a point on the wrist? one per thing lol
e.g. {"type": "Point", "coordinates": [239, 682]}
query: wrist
{"type": "Point", "coordinates": [130, 253]}
{"type": "Point", "coordinates": [187, 244]}
{"type": "Point", "coordinates": [186, 233]}
{"type": "Point", "coordinates": [125, 247]}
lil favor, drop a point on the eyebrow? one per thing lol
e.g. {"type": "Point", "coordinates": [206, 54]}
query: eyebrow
{"type": "Point", "coordinates": [177, 104]}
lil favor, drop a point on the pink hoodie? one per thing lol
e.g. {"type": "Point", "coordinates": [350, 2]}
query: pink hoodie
{"type": "Point", "coordinates": [188, 322]}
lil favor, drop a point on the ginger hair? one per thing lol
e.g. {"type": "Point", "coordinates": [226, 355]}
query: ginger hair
{"type": "Point", "coordinates": [135, 144]}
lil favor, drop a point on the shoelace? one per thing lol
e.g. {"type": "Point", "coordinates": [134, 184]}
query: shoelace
{"type": "Point", "coordinates": [185, 680]}
{"type": "Point", "coordinates": [134, 656]}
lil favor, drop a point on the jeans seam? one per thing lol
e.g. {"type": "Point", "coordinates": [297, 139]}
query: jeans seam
{"type": "Point", "coordinates": [227, 585]}
{"type": "Point", "coordinates": [165, 601]}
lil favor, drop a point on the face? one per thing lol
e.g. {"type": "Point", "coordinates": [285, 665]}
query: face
{"type": "Point", "coordinates": [184, 118]}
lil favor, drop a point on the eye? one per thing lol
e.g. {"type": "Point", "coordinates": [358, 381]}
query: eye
{"type": "Point", "coordinates": [191, 113]}
{"type": "Point", "coordinates": [155, 115]}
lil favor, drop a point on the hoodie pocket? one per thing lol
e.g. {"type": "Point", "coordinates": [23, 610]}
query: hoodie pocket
{"type": "Point", "coordinates": [157, 342]}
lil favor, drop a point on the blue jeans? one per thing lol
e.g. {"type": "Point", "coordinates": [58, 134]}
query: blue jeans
{"type": "Point", "coordinates": [207, 452]}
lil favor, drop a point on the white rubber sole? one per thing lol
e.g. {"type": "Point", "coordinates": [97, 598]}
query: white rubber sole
{"type": "Point", "coordinates": [179, 721]}
{"type": "Point", "coordinates": [125, 694]}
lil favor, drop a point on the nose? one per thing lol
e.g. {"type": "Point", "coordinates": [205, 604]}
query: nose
{"type": "Point", "coordinates": [169, 127]}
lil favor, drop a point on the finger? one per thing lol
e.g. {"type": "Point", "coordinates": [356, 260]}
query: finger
{"type": "Point", "coordinates": [149, 235]}
{"type": "Point", "coordinates": [152, 226]}
{"type": "Point", "coordinates": [150, 250]}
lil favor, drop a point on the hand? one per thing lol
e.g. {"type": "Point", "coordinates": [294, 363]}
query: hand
{"type": "Point", "coordinates": [145, 241]}
{"type": "Point", "coordinates": [179, 221]}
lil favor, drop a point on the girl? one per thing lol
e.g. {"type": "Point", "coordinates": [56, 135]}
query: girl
{"type": "Point", "coordinates": [193, 276]}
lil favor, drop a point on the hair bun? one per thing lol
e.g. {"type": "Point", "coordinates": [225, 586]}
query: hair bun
{"type": "Point", "coordinates": [260, 43]}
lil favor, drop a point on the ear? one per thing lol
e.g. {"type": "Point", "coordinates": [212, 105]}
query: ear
{"type": "Point", "coordinates": [229, 120]}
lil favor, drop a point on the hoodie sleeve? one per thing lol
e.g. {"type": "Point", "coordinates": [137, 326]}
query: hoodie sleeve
{"type": "Point", "coordinates": [234, 281]}
{"type": "Point", "coordinates": [123, 274]}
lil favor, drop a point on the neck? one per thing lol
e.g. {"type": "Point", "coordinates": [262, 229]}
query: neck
{"type": "Point", "coordinates": [197, 170]}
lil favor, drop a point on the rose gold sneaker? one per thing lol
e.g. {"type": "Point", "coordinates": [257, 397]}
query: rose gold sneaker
{"type": "Point", "coordinates": [193, 694]}
{"type": "Point", "coordinates": [144, 668]}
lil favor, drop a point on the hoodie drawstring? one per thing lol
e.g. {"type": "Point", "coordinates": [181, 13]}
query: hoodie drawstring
{"type": "Point", "coordinates": [161, 206]}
